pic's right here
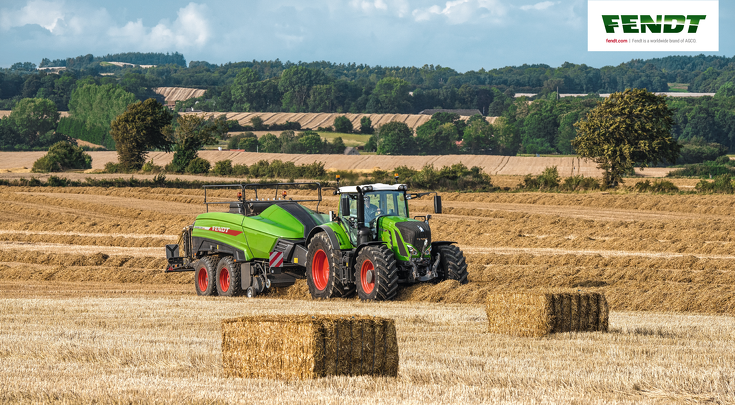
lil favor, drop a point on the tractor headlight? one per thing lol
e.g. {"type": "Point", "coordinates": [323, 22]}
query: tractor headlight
{"type": "Point", "coordinates": [412, 250]}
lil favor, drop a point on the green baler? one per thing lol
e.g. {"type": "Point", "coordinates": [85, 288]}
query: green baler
{"type": "Point", "coordinates": [371, 245]}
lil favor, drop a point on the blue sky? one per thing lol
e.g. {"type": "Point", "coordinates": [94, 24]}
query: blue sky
{"type": "Point", "coordinates": [461, 34]}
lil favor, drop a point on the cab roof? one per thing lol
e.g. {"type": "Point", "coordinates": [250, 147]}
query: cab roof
{"type": "Point", "coordinates": [376, 187]}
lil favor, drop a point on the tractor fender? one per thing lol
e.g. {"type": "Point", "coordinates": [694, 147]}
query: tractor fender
{"type": "Point", "coordinates": [330, 233]}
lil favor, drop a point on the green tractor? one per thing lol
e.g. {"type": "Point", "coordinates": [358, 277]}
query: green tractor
{"type": "Point", "coordinates": [370, 246]}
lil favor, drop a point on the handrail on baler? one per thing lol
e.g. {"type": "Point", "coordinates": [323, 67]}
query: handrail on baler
{"type": "Point", "coordinates": [255, 186]}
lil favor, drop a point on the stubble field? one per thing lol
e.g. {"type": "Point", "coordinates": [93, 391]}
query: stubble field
{"type": "Point", "coordinates": [86, 313]}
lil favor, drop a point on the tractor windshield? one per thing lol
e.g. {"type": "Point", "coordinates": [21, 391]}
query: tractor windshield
{"type": "Point", "coordinates": [391, 203]}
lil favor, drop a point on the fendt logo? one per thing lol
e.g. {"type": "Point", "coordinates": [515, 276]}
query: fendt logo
{"type": "Point", "coordinates": [634, 24]}
{"type": "Point", "coordinates": [669, 26]}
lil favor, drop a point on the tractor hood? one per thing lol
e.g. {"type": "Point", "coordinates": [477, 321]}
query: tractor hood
{"type": "Point", "coordinates": [415, 233]}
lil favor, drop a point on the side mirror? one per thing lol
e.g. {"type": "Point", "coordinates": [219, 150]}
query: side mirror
{"type": "Point", "coordinates": [437, 204]}
{"type": "Point", "coordinates": [344, 207]}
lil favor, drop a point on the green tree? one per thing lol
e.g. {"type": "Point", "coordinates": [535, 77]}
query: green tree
{"type": "Point", "coordinates": [189, 134]}
{"type": "Point", "coordinates": [249, 143]}
{"type": "Point", "coordinates": [366, 125]}
{"type": "Point", "coordinates": [296, 83]}
{"type": "Point", "coordinates": [390, 96]}
{"type": "Point", "coordinates": [479, 136]}
{"type": "Point", "coordinates": [97, 105]}
{"type": "Point", "coordinates": [63, 156]}
{"type": "Point", "coordinates": [396, 138]}
{"type": "Point", "coordinates": [337, 146]}
{"type": "Point", "coordinates": [628, 128]}
{"type": "Point", "coordinates": [34, 117]}
{"type": "Point", "coordinates": [312, 142]}
{"type": "Point", "coordinates": [142, 126]}
{"type": "Point", "coordinates": [245, 91]}
{"type": "Point", "coordinates": [726, 90]}
{"type": "Point", "coordinates": [270, 143]}
{"type": "Point", "coordinates": [509, 139]}
{"type": "Point", "coordinates": [435, 138]}
{"type": "Point", "coordinates": [342, 124]}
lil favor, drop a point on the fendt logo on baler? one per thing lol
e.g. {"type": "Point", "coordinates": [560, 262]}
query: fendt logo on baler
{"type": "Point", "coordinates": [635, 24]}
{"type": "Point", "coordinates": [219, 229]}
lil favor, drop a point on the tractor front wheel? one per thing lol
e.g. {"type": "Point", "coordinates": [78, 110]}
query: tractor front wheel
{"type": "Point", "coordinates": [205, 275]}
{"type": "Point", "coordinates": [228, 278]}
{"type": "Point", "coordinates": [376, 274]}
{"type": "Point", "coordinates": [453, 265]}
{"type": "Point", "coordinates": [321, 269]}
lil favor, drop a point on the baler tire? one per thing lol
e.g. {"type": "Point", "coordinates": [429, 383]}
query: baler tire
{"type": "Point", "coordinates": [385, 274]}
{"type": "Point", "coordinates": [324, 285]}
{"type": "Point", "coordinates": [205, 276]}
{"type": "Point", "coordinates": [453, 265]}
{"type": "Point", "coordinates": [227, 269]}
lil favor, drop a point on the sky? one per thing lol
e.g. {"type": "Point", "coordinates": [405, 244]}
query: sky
{"type": "Point", "coordinates": [460, 34]}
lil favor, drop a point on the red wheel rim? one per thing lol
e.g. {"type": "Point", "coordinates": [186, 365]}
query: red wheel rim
{"type": "Point", "coordinates": [224, 280]}
{"type": "Point", "coordinates": [367, 276]}
{"type": "Point", "coordinates": [320, 270]}
{"type": "Point", "coordinates": [203, 279]}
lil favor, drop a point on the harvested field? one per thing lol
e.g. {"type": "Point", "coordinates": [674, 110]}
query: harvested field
{"type": "Point", "coordinates": [316, 120]}
{"type": "Point", "coordinates": [174, 94]}
{"type": "Point", "coordinates": [86, 313]}
{"type": "Point", "coordinates": [493, 165]}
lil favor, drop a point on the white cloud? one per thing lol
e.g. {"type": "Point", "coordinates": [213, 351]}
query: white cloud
{"type": "Point", "coordinates": [539, 6]}
{"type": "Point", "coordinates": [398, 7]}
{"type": "Point", "coordinates": [462, 11]}
{"type": "Point", "coordinates": [47, 14]}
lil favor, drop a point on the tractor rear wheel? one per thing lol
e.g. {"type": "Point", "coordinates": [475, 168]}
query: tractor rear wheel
{"type": "Point", "coordinates": [205, 275]}
{"type": "Point", "coordinates": [321, 269]}
{"type": "Point", "coordinates": [228, 278]}
{"type": "Point", "coordinates": [453, 265]}
{"type": "Point", "coordinates": [376, 274]}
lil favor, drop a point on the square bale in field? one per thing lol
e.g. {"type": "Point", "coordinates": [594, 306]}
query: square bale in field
{"type": "Point", "coordinates": [536, 314]}
{"type": "Point", "coordinates": [309, 346]}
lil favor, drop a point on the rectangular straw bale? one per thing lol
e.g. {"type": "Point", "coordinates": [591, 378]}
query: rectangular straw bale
{"type": "Point", "coordinates": [306, 346]}
{"type": "Point", "coordinates": [535, 314]}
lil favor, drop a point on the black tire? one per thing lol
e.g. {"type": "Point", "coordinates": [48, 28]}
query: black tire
{"type": "Point", "coordinates": [453, 265]}
{"type": "Point", "coordinates": [228, 278]}
{"type": "Point", "coordinates": [321, 270]}
{"type": "Point", "coordinates": [205, 275]}
{"type": "Point", "coordinates": [383, 285]}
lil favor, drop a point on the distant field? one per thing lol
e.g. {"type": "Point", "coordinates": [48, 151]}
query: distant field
{"type": "Point", "coordinates": [493, 165]}
{"type": "Point", "coordinates": [316, 120]}
{"type": "Point", "coordinates": [679, 87]}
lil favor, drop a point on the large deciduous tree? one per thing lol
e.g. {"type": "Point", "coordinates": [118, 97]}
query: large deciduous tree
{"type": "Point", "coordinates": [97, 105]}
{"type": "Point", "coordinates": [141, 127]}
{"type": "Point", "coordinates": [34, 117]}
{"type": "Point", "coordinates": [190, 133]}
{"type": "Point", "coordinates": [396, 138]}
{"type": "Point", "coordinates": [627, 129]}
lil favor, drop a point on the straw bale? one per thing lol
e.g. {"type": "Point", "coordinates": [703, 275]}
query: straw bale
{"type": "Point", "coordinates": [536, 314]}
{"type": "Point", "coordinates": [306, 346]}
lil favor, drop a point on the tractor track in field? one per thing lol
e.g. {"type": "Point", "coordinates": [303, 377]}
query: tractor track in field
{"type": "Point", "coordinates": [585, 252]}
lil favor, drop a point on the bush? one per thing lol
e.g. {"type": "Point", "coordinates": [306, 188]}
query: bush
{"type": "Point", "coordinates": [548, 180]}
{"type": "Point", "coordinates": [114, 168]}
{"type": "Point", "coordinates": [579, 183]}
{"type": "Point", "coordinates": [240, 170]}
{"type": "Point", "coordinates": [658, 186]}
{"type": "Point", "coordinates": [698, 151]}
{"type": "Point", "coordinates": [705, 169]}
{"type": "Point", "coordinates": [721, 184]}
{"type": "Point", "coordinates": [342, 124]}
{"type": "Point", "coordinates": [366, 125]}
{"type": "Point", "coordinates": [54, 181]}
{"type": "Point", "coordinates": [198, 166]}
{"type": "Point", "coordinates": [223, 168]}
{"type": "Point", "coordinates": [150, 167]}
{"type": "Point", "coordinates": [63, 156]}
{"type": "Point", "coordinates": [234, 141]}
